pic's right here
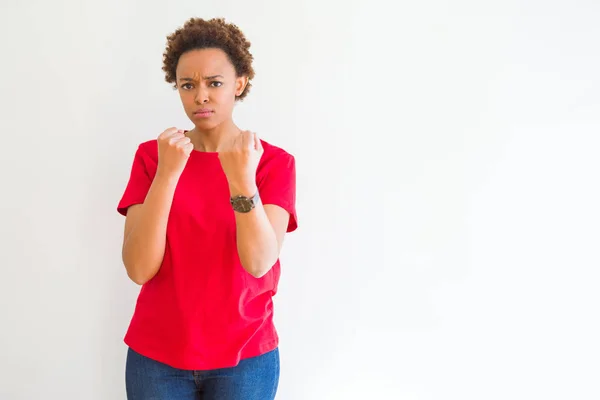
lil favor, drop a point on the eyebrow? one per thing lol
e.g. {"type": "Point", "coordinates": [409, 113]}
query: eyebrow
{"type": "Point", "coordinates": [204, 77]}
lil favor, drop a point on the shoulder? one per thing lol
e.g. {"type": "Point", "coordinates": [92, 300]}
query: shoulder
{"type": "Point", "coordinates": [148, 150]}
{"type": "Point", "coordinates": [275, 155]}
{"type": "Point", "coordinates": [276, 167]}
{"type": "Point", "coordinates": [149, 147]}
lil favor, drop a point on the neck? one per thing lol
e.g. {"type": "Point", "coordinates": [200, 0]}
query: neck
{"type": "Point", "coordinates": [215, 139]}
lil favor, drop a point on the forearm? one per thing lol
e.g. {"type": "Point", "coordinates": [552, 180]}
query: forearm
{"type": "Point", "coordinates": [256, 241]}
{"type": "Point", "coordinates": [144, 246]}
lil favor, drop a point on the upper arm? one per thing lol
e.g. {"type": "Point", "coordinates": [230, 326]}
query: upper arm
{"type": "Point", "coordinates": [279, 219]}
{"type": "Point", "coordinates": [136, 190]}
{"type": "Point", "coordinates": [277, 188]}
{"type": "Point", "coordinates": [139, 183]}
{"type": "Point", "coordinates": [131, 218]}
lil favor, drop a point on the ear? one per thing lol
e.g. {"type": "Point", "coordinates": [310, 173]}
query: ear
{"type": "Point", "coordinates": [240, 85]}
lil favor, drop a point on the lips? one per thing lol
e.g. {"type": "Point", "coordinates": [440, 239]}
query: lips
{"type": "Point", "coordinates": [203, 112]}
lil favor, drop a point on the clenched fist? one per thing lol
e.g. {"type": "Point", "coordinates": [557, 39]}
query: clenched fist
{"type": "Point", "coordinates": [239, 160]}
{"type": "Point", "coordinates": [174, 149]}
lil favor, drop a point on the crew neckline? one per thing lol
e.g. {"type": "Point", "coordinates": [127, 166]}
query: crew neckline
{"type": "Point", "coordinates": [207, 153]}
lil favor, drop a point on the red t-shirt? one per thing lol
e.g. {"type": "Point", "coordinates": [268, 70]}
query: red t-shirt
{"type": "Point", "coordinates": [202, 310]}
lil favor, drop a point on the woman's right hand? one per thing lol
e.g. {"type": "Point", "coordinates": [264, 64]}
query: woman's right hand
{"type": "Point", "coordinates": [174, 149]}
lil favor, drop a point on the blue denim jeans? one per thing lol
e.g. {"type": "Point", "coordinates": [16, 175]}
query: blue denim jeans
{"type": "Point", "coordinates": [253, 378]}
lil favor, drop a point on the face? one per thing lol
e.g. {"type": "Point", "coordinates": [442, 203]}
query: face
{"type": "Point", "coordinates": [207, 84]}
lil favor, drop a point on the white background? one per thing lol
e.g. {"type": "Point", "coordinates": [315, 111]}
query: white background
{"type": "Point", "coordinates": [447, 156]}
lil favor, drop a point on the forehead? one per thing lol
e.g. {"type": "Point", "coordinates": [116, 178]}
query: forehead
{"type": "Point", "coordinates": [204, 62]}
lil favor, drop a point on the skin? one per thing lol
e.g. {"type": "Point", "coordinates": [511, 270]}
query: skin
{"type": "Point", "coordinates": [206, 79]}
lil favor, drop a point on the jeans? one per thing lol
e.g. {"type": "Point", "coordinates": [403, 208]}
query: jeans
{"type": "Point", "coordinates": [253, 378]}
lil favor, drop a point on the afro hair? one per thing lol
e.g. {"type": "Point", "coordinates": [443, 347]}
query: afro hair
{"type": "Point", "coordinates": [198, 33]}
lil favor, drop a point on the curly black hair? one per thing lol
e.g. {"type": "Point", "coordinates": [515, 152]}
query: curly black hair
{"type": "Point", "coordinates": [198, 33]}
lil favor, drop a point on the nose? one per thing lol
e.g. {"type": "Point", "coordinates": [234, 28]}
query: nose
{"type": "Point", "coordinates": [201, 95]}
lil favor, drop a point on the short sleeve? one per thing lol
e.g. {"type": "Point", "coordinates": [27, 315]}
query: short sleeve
{"type": "Point", "coordinates": [278, 186]}
{"type": "Point", "coordinates": [139, 183]}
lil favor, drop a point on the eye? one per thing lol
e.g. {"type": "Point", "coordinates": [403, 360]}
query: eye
{"type": "Point", "coordinates": [216, 84]}
{"type": "Point", "coordinates": [186, 86]}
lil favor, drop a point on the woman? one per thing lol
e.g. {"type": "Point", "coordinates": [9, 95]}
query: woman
{"type": "Point", "coordinates": [206, 213]}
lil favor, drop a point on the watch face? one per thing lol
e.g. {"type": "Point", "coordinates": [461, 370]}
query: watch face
{"type": "Point", "coordinates": [242, 204]}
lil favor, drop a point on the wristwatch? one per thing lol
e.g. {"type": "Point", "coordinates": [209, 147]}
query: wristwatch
{"type": "Point", "coordinates": [244, 204]}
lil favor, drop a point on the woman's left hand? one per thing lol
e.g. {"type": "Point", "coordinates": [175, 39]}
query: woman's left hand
{"type": "Point", "coordinates": [239, 161]}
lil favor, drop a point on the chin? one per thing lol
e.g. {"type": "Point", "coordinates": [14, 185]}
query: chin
{"type": "Point", "coordinates": [205, 123]}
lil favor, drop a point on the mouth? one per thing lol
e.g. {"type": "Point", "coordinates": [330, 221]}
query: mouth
{"type": "Point", "coordinates": [203, 113]}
